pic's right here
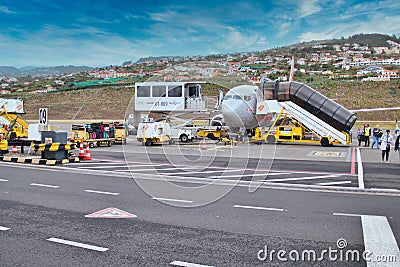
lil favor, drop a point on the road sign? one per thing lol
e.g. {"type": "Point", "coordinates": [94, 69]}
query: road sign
{"type": "Point", "coordinates": [43, 116]}
{"type": "Point", "coordinates": [111, 213]}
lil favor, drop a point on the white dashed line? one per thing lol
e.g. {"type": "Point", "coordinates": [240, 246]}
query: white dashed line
{"type": "Point", "coordinates": [200, 172]}
{"type": "Point", "coordinates": [302, 178]}
{"type": "Point", "coordinates": [188, 264]}
{"type": "Point", "coordinates": [334, 183]}
{"type": "Point", "coordinates": [257, 208]}
{"type": "Point", "coordinates": [101, 192]}
{"type": "Point", "coordinates": [385, 189]}
{"type": "Point", "coordinates": [3, 180]}
{"type": "Point", "coordinates": [76, 244]}
{"type": "Point", "coordinates": [2, 228]}
{"type": "Point", "coordinates": [45, 185]}
{"type": "Point", "coordinates": [253, 175]}
{"type": "Point", "coordinates": [347, 214]}
{"type": "Point", "coordinates": [172, 200]}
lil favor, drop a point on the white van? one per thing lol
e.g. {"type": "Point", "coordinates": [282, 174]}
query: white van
{"type": "Point", "coordinates": [150, 132]}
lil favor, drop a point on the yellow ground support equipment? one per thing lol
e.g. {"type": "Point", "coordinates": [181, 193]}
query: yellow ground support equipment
{"type": "Point", "coordinates": [227, 141]}
{"type": "Point", "coordinates": [288, 129]}
{"type": "Point", "coordinates": [91, 134]}
{"type": "Point", "coordinates": [3, 146]}
{"type": "Point", "coordinates": [120, 133]}
{"type": "Point", "coordinates": [17, 128]}
{"type": "Point", "coordinates": [212, 132]}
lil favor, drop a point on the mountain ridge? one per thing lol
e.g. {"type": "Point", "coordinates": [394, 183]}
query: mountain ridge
{"type": "Point", "coordinates": [11, 71]}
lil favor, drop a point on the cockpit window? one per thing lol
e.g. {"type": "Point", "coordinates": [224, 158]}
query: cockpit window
{"type": "Point", "coordinates": [227, 97]}
{"type": "Point", "coordinates": [246, 98]}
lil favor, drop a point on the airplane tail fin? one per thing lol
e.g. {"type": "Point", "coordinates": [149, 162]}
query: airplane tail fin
{"type": "Point", "coordinates": [291, 77]}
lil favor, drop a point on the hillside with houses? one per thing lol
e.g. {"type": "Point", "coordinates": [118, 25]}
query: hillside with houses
{"type": "Point", "coordinates": [356, 74]}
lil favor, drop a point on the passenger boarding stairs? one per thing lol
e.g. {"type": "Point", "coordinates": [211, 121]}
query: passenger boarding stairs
{"type": "Point", "coordinates": [313, 123]}
{"type": "Point", "coordinates": [319, 114]}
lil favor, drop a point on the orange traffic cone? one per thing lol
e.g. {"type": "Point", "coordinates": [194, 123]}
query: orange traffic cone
{"type": "Point", "coordinates": [203, 144]}
{"type": "Point", "coordinates": [87, 154]}
{"type": "Point", "coordinates": [81, 154]}
{"type": "Point", "coordinates": [14, 150]}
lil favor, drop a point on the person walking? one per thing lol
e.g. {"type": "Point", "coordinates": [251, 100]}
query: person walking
{"type": "Point", "coordinates": [367, 134]}
{"type": "Point", "coordinates": [387, 140]}
{"type": "Point", "coordinates": [360, 134]}
{"type": "Point", "coordinates": [396, 144]}
{"type": "Point", "coordinates": [376, 134]}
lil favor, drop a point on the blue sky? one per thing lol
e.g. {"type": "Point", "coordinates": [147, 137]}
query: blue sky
{"type": "Point", "coordinates": [103, 32]}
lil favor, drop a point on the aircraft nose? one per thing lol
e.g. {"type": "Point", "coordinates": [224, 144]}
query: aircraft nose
{"type": "Point", "coordinates": [232, 113]}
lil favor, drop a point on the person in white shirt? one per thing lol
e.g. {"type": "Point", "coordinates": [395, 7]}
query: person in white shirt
{"type": "Point", "coordinates": [387, 140]}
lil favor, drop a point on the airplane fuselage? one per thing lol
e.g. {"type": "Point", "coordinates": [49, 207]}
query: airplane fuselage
{"type": "Point", "coordinates": [239, 108]}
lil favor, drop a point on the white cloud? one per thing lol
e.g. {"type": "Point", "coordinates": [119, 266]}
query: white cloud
{"type": "Point", "coordinates": [6, 10]}
{"type": "Point", "coordinates": [375, 24]}
{"type": "Point", "coordinates": [55, 46]}
{"type": "Point", "coordinates": [308, 8]}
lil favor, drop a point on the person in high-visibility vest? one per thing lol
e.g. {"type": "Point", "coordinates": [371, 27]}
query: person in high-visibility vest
{"type": "Point", "coordinates": [367, 134]}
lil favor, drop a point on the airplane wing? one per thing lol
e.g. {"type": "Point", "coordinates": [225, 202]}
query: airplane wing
{"type": "Point", "coordinates": [374, 109]}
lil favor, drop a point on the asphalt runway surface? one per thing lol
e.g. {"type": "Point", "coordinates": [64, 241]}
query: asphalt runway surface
{"type": "Point", "coordinates": [181, 205]}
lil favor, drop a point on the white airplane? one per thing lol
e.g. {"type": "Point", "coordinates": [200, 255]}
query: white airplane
{"type": "Point", "coordinates": [240, 104]}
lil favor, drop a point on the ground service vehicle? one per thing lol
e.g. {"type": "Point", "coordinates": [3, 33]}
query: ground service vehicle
{"type": "Point", "coordinates": [17, 127]}
{"type": "Point", "coordinates": [288, 129]}
{"type": "Point", "coordinates": [120, 133]}
{"type": "Point", "coordinates": [95, 133]}
{"type": "Point", "coordinates": [151, 132]}
{"type": "Point", "coordinates": [212, 132]}
{"type": "Point", "coordinates": [3, 146]}
{"type": "Point", "coordinates": [184, 133]}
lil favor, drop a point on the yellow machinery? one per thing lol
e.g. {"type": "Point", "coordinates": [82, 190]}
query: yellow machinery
{"type": "Point", "coordinates": [91, 134]}
{"type": "Point", "coordinates": [120, 133]}
{"type": "Point", "coordinates": [212, 132]}
{"type": "Point", "coordinates": [288, 129]}
{"type": "Point", "coordinates": [3, 146]}
{"type": "Point", "coordinates": [17, 128]}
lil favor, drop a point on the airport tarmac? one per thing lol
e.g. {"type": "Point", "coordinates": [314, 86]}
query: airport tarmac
{"type": "Point", "coordinates": [291, 197]}
{"type": "Point", "coordinates": [284, 164]}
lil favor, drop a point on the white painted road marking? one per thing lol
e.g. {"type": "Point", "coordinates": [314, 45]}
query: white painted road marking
{"type": "Point", "coordinates": [385, 189]}
{"type": "Point", "coordinates": [197, 172]}
{"type": "Point", "coordinates": [253, 175]}
{"type": "Point", "coordinates": [101, 192]}
{"type": "Point", "coordinates": [3, 180]}
{"type": "Point", "coordinates": [334, 183]}
{"type": "Point", "coordinates": [151, 168]}
{"type": "Point", "coordinates": [172, 200]}
{"type": "Point", "coordinates": [188, 264]}
{"type": "Point", "coordinates": [347, 214]}
{"type": "Point", "coordinates": [360, 170]}
{"type": "Point", "coordinates": [76, 244]}
{"type": "Point", "coordinates": [111, 213]}
{"type": "Point", "coordinates": [379, 239]}
{"type": "Point", "coordinates": [257, 208]}
{"type": "Point", "coordinates": [2, 228]}
{"type": "Point", "coordinates": [302, 178]}
{"type": "Point", "coordinates": [45, 185]}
